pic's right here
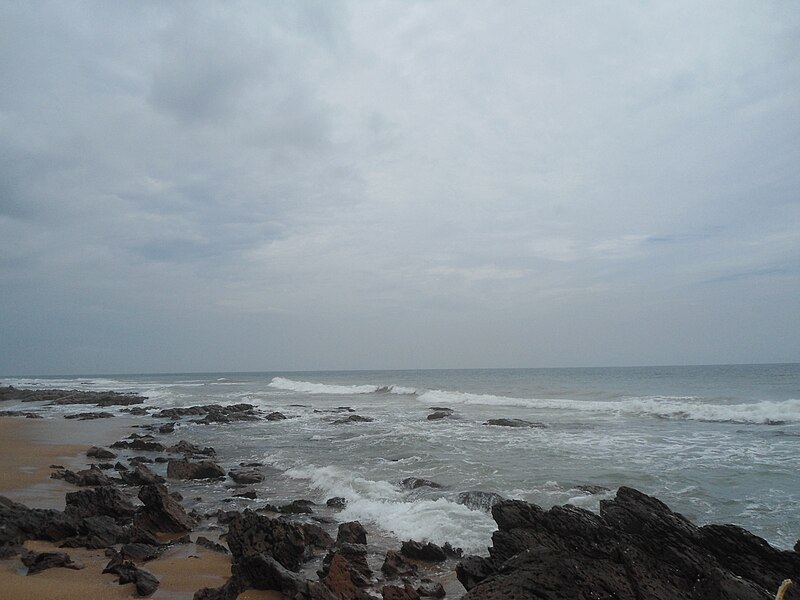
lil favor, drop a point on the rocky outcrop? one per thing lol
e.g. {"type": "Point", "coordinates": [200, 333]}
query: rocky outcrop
{"type": "Point", "coordinates": [287, 542]}
{"type": "Point", "coordinates": [477, 500]}
{"type": "Point", "coordinates": [65, 397]}
{"type": "Point", "coordinates": [145, 582]}
{"type": "Point", "coordinates": [161, 513]}
{"type": "Point", "coordinates": [353, 419]}
{"type": "Point", "coordinates": [394, 566]}
{"type": "Point", "coordinates": [352, 532]}
{"type": "Point", "coordinates": [140, 475]}
{"type": "Point", "coordinates": [246, 476]}
{"type": "Point", "coordinates": [211, 413]}
{"type": "Point", "coordinates": [100, 501]}
{"type": "Point", "coordinates": [635, 548]}
{"type": "Point", "coordinates": [413, 483]}
{"type": "Point", "coordinates": [187, 448]}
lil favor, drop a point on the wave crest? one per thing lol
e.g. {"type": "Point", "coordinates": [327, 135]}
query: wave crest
{"type": "Point", "coordinates": [310, 387]}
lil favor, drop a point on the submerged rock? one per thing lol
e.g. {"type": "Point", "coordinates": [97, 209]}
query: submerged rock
{"type": "Point", "coordinates": [478, 500]}
{"type": "Point", "coordinates": [353, 419]}
{"type": "Point", "coordinates": [413, 483]}
{"type": "Point", "coordinates": [514, 423]}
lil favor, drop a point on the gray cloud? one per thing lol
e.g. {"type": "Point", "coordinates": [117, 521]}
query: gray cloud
{"type": "Point", "coordinates": [402, 184]}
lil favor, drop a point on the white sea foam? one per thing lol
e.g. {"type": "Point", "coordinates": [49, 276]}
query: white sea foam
{"type": "Point", "coordinates": [323, 388]}
{"type": "Point", "coordinates": [687, 408]}
{"type": "Point", "coordinates": [383, 505]}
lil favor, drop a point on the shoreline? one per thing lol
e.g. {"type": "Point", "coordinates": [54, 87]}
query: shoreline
{"type": "Point", "coordinates": [28, 447]}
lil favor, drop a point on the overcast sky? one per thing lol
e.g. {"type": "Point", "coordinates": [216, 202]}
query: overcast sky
{"type": "Point", "coordinates": [357, 185]}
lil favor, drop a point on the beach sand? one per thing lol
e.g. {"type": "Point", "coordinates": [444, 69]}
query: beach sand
{"type": "Point", "coordinates": [27, 449]}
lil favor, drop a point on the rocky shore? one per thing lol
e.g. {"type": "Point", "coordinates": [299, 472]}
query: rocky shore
{"type": "Point", "coordinates": [636, 548]}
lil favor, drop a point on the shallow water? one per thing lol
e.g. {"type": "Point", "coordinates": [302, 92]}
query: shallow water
{"type": "Point", "coordinates": [718, 444]}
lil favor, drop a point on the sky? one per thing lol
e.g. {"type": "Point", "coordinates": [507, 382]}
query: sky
{"type": "Point", "coordinates": [255, 186]}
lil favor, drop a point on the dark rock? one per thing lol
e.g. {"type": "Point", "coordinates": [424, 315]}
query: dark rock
{"type": "Point", "coordinates": [246, 477]}
{"type": "Point", "coordinates": [19, 523]}
{"type": "Point", "coordinates": [137, 411]}
{"type": "Point", "coordinates": [426, 552]}
{"type": "Point", "coordinates": [136, 460]}
{"type": "Point", "coordinates": [477, 500]}
{"type": "Point", "coordinates": [336, 502]}
{"type": "Point", "coordinates": [141, 475]}
{"type": "Point", "coordinates": [118, 466]}
{"type": "Point", "coordinates": [184, 447]}
{"type": "Point", "coordinates": [211, 545]}
{"type": "Point", "coordinates": [289, 543]}
{"type": "Point", "coordinates": [140, 552]}
{"type": "Point", "coordinates": [97, 532]}
{"type": "Point", "coordinates": [249, 494]}
{"type": "Point", "coordinates": [413, 483]}
{"type": "Point", "coordinates": [89, 416]}
{"type": "Point", "coordinates": [297, 507]}
{"type": "Point", "coordinates": [431, 589]}
{"type": "Point", "coordinates": [145, 582]}
{"type": "Point", "coordinates": [140, 445]}
{"type": "Point", "coordinates": [104, 466]}
{"type": "Point", "coordinates": [352, 532]}
{"type": "Point", "coordinates": [394, 565]}
{"type": "Point", "coordinates": [183, 469]}
{"type": "Point", "coordinates": [635, 548]}
{"type": "Point", "coordinates": [275, 416]}
{"type": "Point", "coordinates": [395, 592]}
{"type": "Point", "coordinates": [166, 428]}
{"type": "Point", "coordinates": [211, 413]}
{"type": "Point", "coordinates": [100, 501]}
{"type": "Point", "coordinates": [161, 513]}
{"type": "Point", "coordinates": [353, 419]}
{"type": "Point", "coordinates": [439, 414]}
{"type": "Point", "coordinates": [19, 413]}
{"type": "Point", "coordinates": [514, 423]}
{"type": "Point", "coordinates": [40, 561]}
{"type": "Point", "coordinates": [161, 459]}
{"type": "Point", "coordinates": [85, 478]}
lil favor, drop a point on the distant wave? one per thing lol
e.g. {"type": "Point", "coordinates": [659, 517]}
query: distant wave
{"type": "Point", "coordinates": [323, 388]}
{"type": "Point", "coordinates": [688, 408]}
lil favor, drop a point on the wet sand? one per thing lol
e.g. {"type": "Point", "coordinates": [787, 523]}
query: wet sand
{"type": "Point", "coordinates": [27, 449]}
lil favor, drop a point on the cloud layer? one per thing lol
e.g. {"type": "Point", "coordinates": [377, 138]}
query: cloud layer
{"type": "Point", "coordinates": [322, 185]}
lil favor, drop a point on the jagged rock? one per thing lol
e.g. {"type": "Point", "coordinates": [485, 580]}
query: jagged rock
{"type": "Point", "coordinates": [211, 413]}
{"type": "Point", "coordinates": [118, 466]}
{"type": "Point", "coordinates": [40, 561]}
{"type": "Point", "coordinates": [412, 483]}
{"type": "Point", "coordinates": [350, 559]}
{"type": "Point", "coordinates": [395, 592]}
{"type": "Point", "coordinates": [141, 475]}
{"type": "Point", "coordinates": [145, 582]}
{"type": "Point", "coordinates": [101, 453]}
{"type": "Point", "coordinates": [289, 543]}
{"type": "Point", "coordinates": [336, 502]}
{"type": "Point", "coordinates": [166, 428]}
{"type": "Point", "coordinates": [211, 545]}
{"type": "Point", "coordinates": [394, 565]}
{"type": "Point", "coordinates": [246, 477]}
{"type": "Point", "coordinates": [97, 532]}
{"type": "Point", "coordinates": [85, 478]}
{"type": "Point", "coordinates": [352, 532]}
{"type": "Point", "coordinates": [140, 552]}
{"type": "Point", "coordinates": [100, 501]}
{"type": "Point", "coordinates": [514, 423]}
{"type": "Point", "coordinates": [635, 548]}
{"type": "Point", "coordinates": [353, 419]}
{"type": "Point", "coordinates": [19, 523]}
{"type": "Point", "coordinates": [263, 572]}
{"type": "Point", "coordinates": [477, 500]}
{"type": "Point", "coordinates": [137, 411]}
{"type": "Point", "coordinates": [184, 447]}
{"type": "Point", "coordinates": [183, 469]}
{"type": "Point", "coordinates": [161, 513]}
{"type": "Point", "coordinates": [426, 552]}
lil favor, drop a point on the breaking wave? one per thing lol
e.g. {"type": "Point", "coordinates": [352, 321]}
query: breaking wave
{"type": "Point", "coordinates": [309, 387]}
{"type": "Point", "coordinates": [688, 408]}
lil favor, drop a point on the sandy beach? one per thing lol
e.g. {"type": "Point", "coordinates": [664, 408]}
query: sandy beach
{"type": "Point", "coordinates": [28, 448]}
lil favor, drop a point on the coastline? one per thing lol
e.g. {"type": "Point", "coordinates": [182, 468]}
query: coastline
{"type": "Point", "coordinates": [28, 447]}
{"type": "Point", "coordinates": [566, 551]}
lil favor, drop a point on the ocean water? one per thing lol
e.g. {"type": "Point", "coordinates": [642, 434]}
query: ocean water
{"type": "Point", "coordinates": [716, 443]}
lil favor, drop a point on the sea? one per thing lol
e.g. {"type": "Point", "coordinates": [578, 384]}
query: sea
{"type": "Point", "coordinates": [718, 444]}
